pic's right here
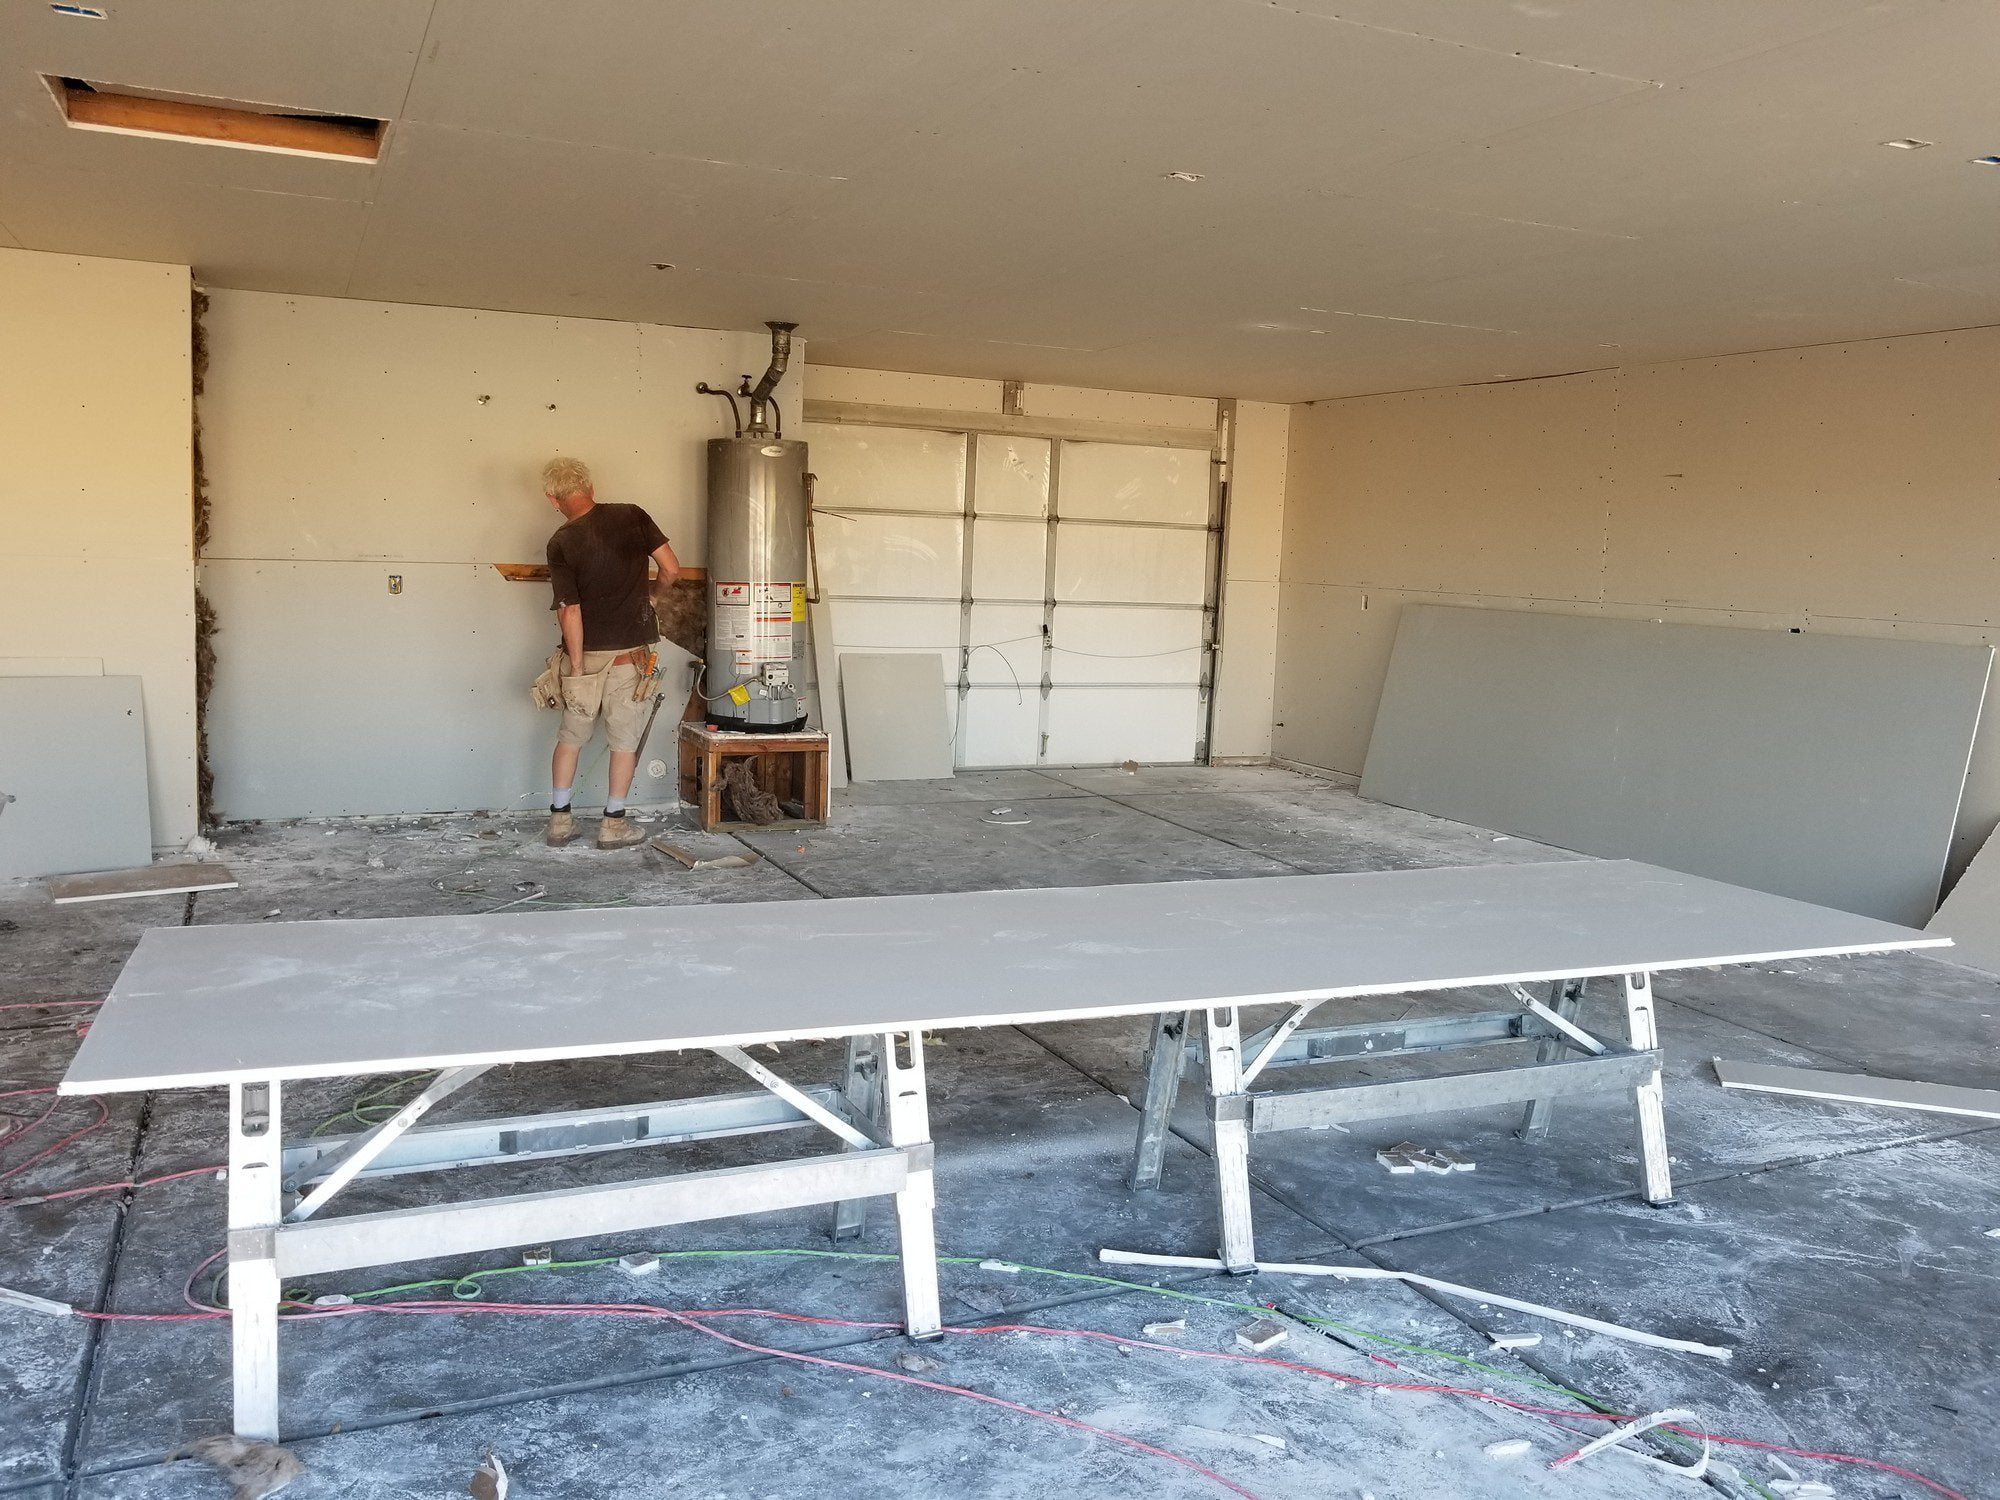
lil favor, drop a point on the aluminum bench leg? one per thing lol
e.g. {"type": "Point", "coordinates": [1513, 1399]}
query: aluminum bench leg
{"type": "Point", "coordinates": [863, 1090]}
{"type": "Point", "coordinates": [1565, 999]}
{"type": "Point", "coordinates": [1649, 1098]}
{"type": "Point", "coordinates": [1229, 1108]}
{"type": "Point", "coordinates": [1164, 1059]}
{"type": "Point", "coordinates": [256, 1204]}
{"type": "Point", "coordinates": [916, 1202]}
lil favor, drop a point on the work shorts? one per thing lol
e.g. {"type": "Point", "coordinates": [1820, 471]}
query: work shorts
{"type": "Point", "coordinates": [607, 692]}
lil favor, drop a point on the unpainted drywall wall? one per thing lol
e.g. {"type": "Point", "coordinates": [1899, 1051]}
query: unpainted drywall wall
{"type": "Point", "coordinates": [1248, 659]}
{"type": "Point", "coordinates": [349, 444]}
{"type": "Point", "coordinates": [1851, 488]}
{"type": "Point", "coordinates": [96, 496]}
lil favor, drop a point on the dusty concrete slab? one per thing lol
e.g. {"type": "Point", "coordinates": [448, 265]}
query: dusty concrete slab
{"type": "Point", "coordinates": [1327, 829]}
{"type": "Point", "coordinates": [769, 1428]}
{"type": "Point", "coordinates": [991, 787]}
{"type": "Point", "coordinates": [1858, 1294]}
{"type": "Point", "coordinates": [67, 953]}
{"type": "Point", "coordinates": [950, 846]}
{"type": "Point", "coordinates": [59, 1250]}
{"type": "Point", "coordinates": [1902, 1015]}
{"type": "Point", "coordinates": [1115, 781]}
{"type": "Point", "coordinates": [1032, 1152]}
{"type": "Point", "coordinates": [301, 872]}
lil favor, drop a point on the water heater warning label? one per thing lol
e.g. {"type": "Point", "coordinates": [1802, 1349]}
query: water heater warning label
{"type": "Point", "coordinates": [753, 622]}
{"type": "Point", "coordinates": [734, 626]}
{"type": "Point", "coordinates": [772, 606]}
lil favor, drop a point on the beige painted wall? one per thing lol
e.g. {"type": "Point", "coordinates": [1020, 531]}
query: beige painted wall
{"type": "Point", "coordinates": [347, 442]}
{"type": "Point", "coordinates": [1248, 659]}
{"type": "Point", "coordinates": [1851, 488]}
{"type": "Point", "coordinates": [96, 505]}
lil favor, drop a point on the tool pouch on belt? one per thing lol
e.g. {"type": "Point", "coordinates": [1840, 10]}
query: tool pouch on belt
{"type": "Point", "coordinates": [546, 690]}
{"type": "Point", "coordinates": [583, 694]}
{"type": "Point", "coordinates": [648, 682]}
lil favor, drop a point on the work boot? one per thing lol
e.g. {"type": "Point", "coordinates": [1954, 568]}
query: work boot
{"type": "Point", "coordinates": [617, 831]}
{"type": "Point", "coordinates": [562, 827]}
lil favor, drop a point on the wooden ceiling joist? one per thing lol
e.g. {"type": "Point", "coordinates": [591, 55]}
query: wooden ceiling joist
{"type": "Point", "coordinates": [87, 107]}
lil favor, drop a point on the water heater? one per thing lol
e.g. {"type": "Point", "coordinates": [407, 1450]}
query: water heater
{"type": "Point", "coordinates": [757, 506]}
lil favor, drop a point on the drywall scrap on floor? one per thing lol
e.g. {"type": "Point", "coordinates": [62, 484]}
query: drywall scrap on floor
{"type": "Point", "coordinates": [826, 689]}
{"type": "Point", "coordinates": [1824, 767]}
{"type": "Point", "coordinates": [73, 793]}
{"type": "Point", "coordinates": [1970, 916]}
{"type": "Point", "coordinates": [1856, 1088]}
{"type": "Point", "coordinates": [153, 880]}
{"type": "Point", "coordinates": [894, 704]}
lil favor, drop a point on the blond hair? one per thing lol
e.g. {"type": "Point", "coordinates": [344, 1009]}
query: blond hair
{"type": "Point", "coordinates": [563, 477]}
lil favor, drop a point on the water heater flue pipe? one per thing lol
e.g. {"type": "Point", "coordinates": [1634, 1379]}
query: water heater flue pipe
{"type": "Point", "coordinates": [764, 417]}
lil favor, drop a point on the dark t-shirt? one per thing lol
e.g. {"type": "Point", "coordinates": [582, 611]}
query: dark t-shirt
{"type": "Point", "coordinates": [598, 561]}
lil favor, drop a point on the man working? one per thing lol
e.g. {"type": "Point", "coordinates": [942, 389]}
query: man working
{"type": "Point", "coordinates": [597, 569]}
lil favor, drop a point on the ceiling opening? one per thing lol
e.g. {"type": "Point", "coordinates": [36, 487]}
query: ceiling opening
{"type": "Point", "coordinates": [123, 110]}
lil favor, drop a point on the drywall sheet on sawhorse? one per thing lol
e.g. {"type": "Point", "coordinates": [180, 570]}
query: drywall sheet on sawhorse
{"type": "Point", "coordinates": [1824, 767]}
{"type": "Point", "coordinates": [897, 727]}
{"type": "Point", "coordinates": [73, 761]}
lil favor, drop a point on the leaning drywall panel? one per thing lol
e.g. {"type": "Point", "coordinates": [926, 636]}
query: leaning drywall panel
{"type": "Point", "coordinates": [1970, 916]}
{"type": "Point", "coordinates": [1824, 767]}
{"type": "Point", "coordinates": [72, 776]}
{"type": "Point", "coordinates": [897, 719]}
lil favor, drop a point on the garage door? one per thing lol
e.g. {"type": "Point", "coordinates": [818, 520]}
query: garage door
{"type": "Point", "coordinates": [1067, 586]}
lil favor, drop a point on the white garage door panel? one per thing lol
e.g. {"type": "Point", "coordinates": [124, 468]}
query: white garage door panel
{"type": "Point", "coordinates": [1000, 727]}
{"type": "Point", "coordinates": [1099, 644]}
{"type": "Point", "coordinates": [1099, 726]}
{"type": "Point", "coordinates": [895, 625]}
{"type": "Point", "coordinates": [1131, 565]}
{"type": "Point", "coordinates": [1012, 477]}
{"type": "Point", "coordinates": [889, 557]}
{"type": "Point", "coordinates": [1006, 643]}
{"type": "Point", "coordinates": [1009, 559]}
{"type": "Point", "coordinates": [1106, 670]}
{"type": "Point", "coordinates": [1118, 482]}
{"type": "Point", "coordinates": [886, 468]}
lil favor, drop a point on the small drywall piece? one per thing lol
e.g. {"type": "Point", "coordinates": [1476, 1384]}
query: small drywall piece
{"type": "Point", "coordinates": [1819, 766]}
{"type": "Point", "coordinates": [154, 880]}
{"type": "Point", "coordinates": [894, 708]}
{"type": "Point", "coordinates": [1857, 1088]}
{"type": "Point", "coordinates": [73, 794]}
{"type": "Point", "coordinates": [826, 689]}
{"type": "Point", "coordinates": [1970, 916]}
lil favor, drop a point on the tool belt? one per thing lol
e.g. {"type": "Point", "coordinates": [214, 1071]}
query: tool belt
{"type": "Point", "coordinates": [583, 693]}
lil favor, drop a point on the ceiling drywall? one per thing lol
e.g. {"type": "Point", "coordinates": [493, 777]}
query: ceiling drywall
{"type": "Point", "coordinates": [1390, 193]}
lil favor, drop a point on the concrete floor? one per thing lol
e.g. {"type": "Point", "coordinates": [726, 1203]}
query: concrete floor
{"type": "Point", "coordinates": [1843, 1252]}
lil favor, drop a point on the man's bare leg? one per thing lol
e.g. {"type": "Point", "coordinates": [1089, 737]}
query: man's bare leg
{"type": "Point", "coordinates": [624, 765]}
{"type": "Point", "coordinates": [562, 777]}
{"type": "Point", "coordinates": [618, 831]}
{"type": "Point", "coordinates": [562, 767]}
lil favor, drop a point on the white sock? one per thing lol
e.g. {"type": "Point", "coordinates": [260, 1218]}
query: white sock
{"type": "Point", "coordinates": [614, 807]}
{"type": "Point", "coordinates": [559, 799]}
